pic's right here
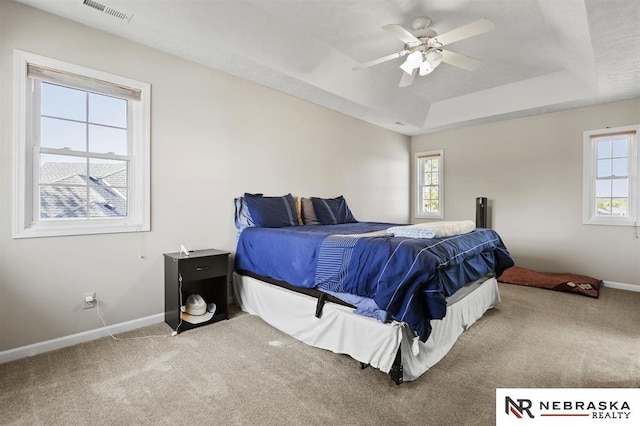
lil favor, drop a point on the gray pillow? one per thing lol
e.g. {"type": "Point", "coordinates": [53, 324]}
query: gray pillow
{"type": "Point", "coordinates": [308, 212]}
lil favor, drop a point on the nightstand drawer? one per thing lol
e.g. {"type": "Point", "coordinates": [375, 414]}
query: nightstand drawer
{"type": "Point", "coordinates": [203, 267]}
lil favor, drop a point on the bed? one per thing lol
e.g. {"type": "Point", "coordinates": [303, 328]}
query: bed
{"type": "Point", "coordinates": [370, 290]}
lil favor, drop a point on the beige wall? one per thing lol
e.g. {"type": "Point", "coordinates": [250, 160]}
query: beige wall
{"type": "Point", "coordinates": [530, 169]}
{"type": "Point", "coordinates": [214, 137]}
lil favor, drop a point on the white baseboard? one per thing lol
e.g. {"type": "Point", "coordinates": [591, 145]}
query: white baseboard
{"type": "Point", "coordinates": [86, 336]}
{"type": "Point", "coordinates": [621, 286]}
{"type": "Point", "coordinates": [74, 339]}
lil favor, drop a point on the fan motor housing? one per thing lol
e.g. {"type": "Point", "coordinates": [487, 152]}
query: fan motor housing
{"type": "Point", "coordinates": [426, 44]}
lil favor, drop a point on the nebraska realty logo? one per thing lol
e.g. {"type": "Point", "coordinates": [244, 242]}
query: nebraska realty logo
{"type": "Point", "coordinates": [561, 406]}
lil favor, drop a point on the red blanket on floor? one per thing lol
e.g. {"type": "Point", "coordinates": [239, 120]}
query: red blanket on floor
{"type": "Point", "coordinates": [571, 283]}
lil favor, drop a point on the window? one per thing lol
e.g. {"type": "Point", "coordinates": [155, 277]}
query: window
{"type": "Point", "coordinates": [429, 184]}
{"type": "Point", "coordinates": [610, 176]}
{"type": "Point", "coordinates": [81, 150]}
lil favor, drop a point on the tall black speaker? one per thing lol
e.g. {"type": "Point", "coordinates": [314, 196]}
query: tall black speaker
{"type": "Point", "coordinates": [481, 212]}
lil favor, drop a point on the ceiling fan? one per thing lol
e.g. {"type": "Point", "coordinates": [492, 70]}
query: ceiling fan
{"type": "Point", "coordinates": [424, 51]}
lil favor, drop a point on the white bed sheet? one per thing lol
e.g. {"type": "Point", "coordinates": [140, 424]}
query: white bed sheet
{"type": "Point", "coordinates": [363, 338]}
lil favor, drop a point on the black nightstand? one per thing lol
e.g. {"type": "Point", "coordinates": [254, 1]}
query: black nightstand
{"type": "Point", "coordinates": [203, 272]}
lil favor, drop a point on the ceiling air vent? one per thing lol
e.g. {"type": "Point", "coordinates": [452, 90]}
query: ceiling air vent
{"type": "Point", "coordinates": [108, 10]}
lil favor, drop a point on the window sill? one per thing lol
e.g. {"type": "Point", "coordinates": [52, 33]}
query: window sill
{"type": "Point", "coordinates": [71, 230]}
{"type": "Point", "coordinates": [609, 222]}
{"type": "Point", "coordinates": [429, 216]}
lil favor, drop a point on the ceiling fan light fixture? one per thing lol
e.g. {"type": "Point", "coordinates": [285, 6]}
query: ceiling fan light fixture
{"type": "Point", "coordinates": [426, 68]}
{"type": "Point", "coordinates": [434, 57]}
{"type": "Point", "coordinates": [413, 61]}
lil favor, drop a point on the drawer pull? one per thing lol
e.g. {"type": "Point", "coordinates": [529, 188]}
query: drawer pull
{"type": "Point", "coordinates": [202, 268]}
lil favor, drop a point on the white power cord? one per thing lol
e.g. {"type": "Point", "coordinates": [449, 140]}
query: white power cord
{"type": "Point", "coordinates": [180, 296]}
{"type": "Point", "coordinates": [173, 333]}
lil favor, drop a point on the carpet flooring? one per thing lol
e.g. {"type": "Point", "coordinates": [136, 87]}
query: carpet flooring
{"type": "Point", "coordinates": [244, 372]}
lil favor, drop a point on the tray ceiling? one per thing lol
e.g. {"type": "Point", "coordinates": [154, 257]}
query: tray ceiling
{"type": "Point", "coordinates": [543, 56]}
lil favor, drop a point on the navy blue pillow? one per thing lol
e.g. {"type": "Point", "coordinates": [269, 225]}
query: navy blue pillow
{"type": "Point", "coordinates": [332, 211]}
{"type": "Point", "coordinates": [272, 212]}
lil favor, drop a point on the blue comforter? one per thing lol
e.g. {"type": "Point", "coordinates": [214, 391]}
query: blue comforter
{"type": "Point", "coordinates": [409, 278]}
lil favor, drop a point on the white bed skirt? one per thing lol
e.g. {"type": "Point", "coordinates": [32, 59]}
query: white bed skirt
{"type": "Point", "coordinates": [363, 338]}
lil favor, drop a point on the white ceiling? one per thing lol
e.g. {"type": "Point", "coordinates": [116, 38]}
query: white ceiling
{"type": "Point", "coordinates": [544, 55]}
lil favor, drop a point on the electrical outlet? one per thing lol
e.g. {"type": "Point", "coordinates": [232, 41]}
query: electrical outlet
{"type": "Point", "coordinates": [89, 300]}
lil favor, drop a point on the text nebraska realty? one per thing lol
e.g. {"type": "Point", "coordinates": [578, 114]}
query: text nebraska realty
{"type": "Point", "coordinates": [597, 409]}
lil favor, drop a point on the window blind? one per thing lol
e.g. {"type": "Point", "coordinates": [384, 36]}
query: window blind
{"type": "Point", "coordinates": [55, 76]}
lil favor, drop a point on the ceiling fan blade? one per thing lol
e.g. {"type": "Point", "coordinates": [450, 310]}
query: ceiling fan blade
{"type": "Point", "coordinates": [473, 29]}
{"type": "Point", "coordinates": [380, 60]}
{"type": "Point", "coordinates": [461, 61]}
{"type": "Point", "coordinates": [407, 79]}
{"type": "Point", "coordinates": [400, 32]}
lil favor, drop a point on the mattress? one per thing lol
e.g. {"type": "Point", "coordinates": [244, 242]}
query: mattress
{"type": "Point", "coordinates": [365, 339]}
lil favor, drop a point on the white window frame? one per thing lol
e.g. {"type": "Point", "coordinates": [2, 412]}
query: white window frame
{"type": "Point", "coordinates": [418, 161]}
{"type": "Point", "coordinates": [26, 224]}
{"type": "Point", "coordinates": [590, 138]}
